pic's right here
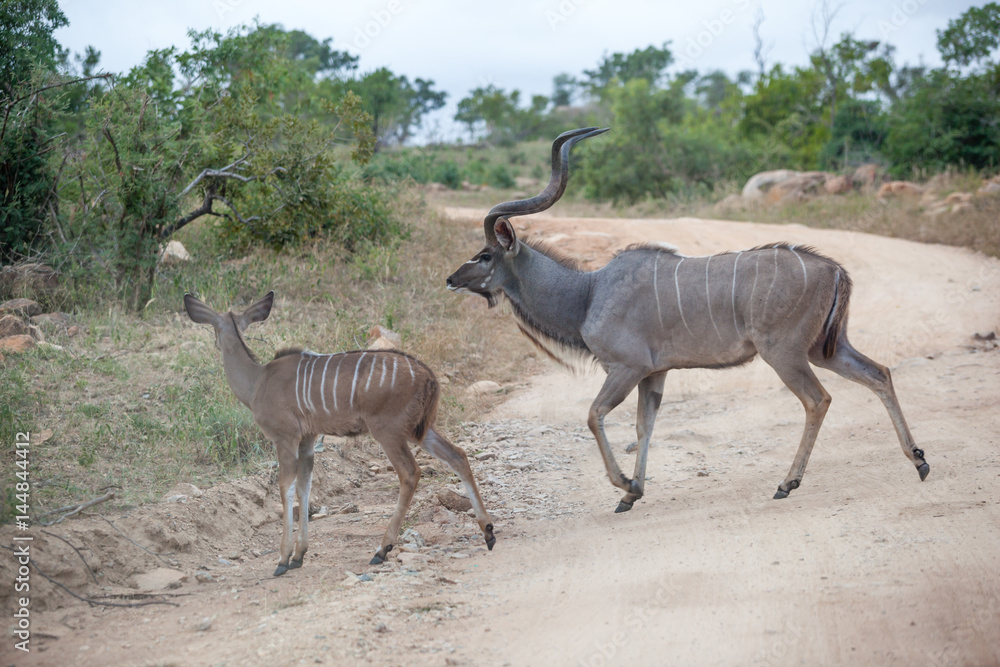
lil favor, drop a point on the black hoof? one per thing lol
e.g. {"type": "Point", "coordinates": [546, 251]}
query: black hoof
{"type": "Point", "coordinates": [280, 570]}
{"type": "Point", "coordinates": [924, 470]}
{"type": "Point", "coordinates": [780, 493]}
{"type": "Point", "coordinates": [380, 555]}
{"type": "Point", "coordinates": [490, 542]}
{"type": "Point", "coordinates": [623, 507]}
{"type": "Point", "coordinates": [293, 564]}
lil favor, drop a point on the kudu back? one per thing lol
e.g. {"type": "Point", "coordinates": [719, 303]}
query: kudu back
{"type": "Point", "coordinates": [300, 395]}
{"type": "Point", "coordinates": [651, 310]}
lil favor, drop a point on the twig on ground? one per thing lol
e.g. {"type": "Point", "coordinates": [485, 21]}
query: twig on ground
{"type": "Point", "coordinates": [75, 509]}
{"type": "Point", "coordinates": [92, 575]}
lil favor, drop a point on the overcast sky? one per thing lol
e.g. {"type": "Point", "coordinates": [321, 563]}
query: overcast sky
{"type": "Point", "coordinates": [516, 44]}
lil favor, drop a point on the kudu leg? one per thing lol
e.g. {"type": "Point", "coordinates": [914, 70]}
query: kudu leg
{"type": "Point", "coordinates": [800, 379]}
{"type": "Point", "coordinates": [398, 451]}
{"type": "Point", "coordinates": [621, 380]}
{"type": "Point", "coordinates": [455, 458]}
{"type": "Point", "coordinates": [303, 485]}
{"type": "Point", "coordinates": [288, 459]}
{"type": "Point", "coordinates": [851, 364]}
{"type": "Point", "coordinates": [650, 395]}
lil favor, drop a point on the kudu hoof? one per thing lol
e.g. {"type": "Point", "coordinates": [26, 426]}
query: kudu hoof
{"type": "Point", "coordinates": [490, 538]}
{"type": "Point", "coordinates": [924, 470]}
{"type": "Point", "coordinates": [781, 493]}
{"type": "Point", "coordinates": [380, 555]}
{"type": "Point", "coordinates": [623, 507]}
{"type": "Point", "coordinates": [293, 564]}
{"type": "Point", "coordinates": [280, 570]}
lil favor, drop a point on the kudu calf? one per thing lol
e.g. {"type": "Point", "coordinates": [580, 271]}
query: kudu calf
{"type": "Point", "coordinates": [301, 394]}
{"type": "Point", "coordinates": [651, 309]}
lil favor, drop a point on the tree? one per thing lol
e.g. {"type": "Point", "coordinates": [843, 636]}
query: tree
{"type": "Point", "coordinates": [396, 106]}
{"type": "Point", "coordinates": [972, 37]}
{"type": "Point", "coordinates": [26, 40]}
{"type": "Point", "coordinates": [647, 64]}
{"type": "Point", "coordinates": [490, 108]}
{"type": "Point", "coordinates": [564, 89]}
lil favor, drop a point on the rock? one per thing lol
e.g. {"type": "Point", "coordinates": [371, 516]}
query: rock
{"type": "Point", "coordinates": [958, 198]}
{"type": "Point", "coordinates": [483, 387]}
{"type": "Point", "coordinates": [182, 489]}
{"type": "Point", "coordinates": [838, 185]}
{"type": "Point", "coordinates": [730, 202]}
{"type": "Point", "coordinates": [22, 307]}
{"type": "Point", "coordinates": [160, 579]}
{"type": "Point", "coordinates": [55, 321]}
{"type": "Point", "coordinates": [410, 535]}
{"type": "Point", "coordinates": [380, 338]}
{"type": "Point", "coordinates": [16, 344]}
{"type": "Point", "coordinates": [205, 624]}
{"type": "Point", "coordinates": [991, 187]}
{"type": "Point", "coordinates": [758, 184]}
{"type": "Point", "coordinates": [28, 278]}
{"type": "Point", "coordinates": [73, 331]}
{"type": "Point", "coordinates": [796, 187]}
{"type": "Point", "coordinates": [410, 558]}
{"type": "Point", "coordinates": [203, 577]}
{"type": "Point", "coordinates": [865, 176]}
{"type": "Point", "coordinates": [485, 456]}
{"type": "Point", "coordinates": [453, 501]}
{"type": "Point", "coordinates": [444, 516]}
{"type": "Point", "coordinates": [174, 253]}
{"type": "Point", "coordinates": [899, 189]}
{"type": "Point", "coordinates": [12, 325]}
{"type": "Point", "coordinates": [349, 581]}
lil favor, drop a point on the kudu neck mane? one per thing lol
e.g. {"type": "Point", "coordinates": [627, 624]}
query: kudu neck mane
{"type": "Point", "coordinates": [552, 316]}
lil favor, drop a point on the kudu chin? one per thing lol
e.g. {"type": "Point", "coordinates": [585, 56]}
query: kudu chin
{"type": "Point", "coordinates": [301, 394]}
{"type": "Point", "coordinates": [651, 309]}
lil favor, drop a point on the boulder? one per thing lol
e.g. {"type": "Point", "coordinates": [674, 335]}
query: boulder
{"type": "Point", "coordinates": [28, 278]}
{"type": "Point", "coordinates": [796, 187]}
{"type": "Point", "coordinates": [55, 321]}
{"type": "Point", "coordinates": [899, 189]}
{"type": "Point", "coordinates": [958, 198]}
{"type": "Point", "coordinates": [380, 338]}
{"type": "Point", "coordinates": [22, 307]}
{"type": "Point", "coordinates": [16, 344]}
{"type": "Point", "coordinates": [483, 387]}
{"type": "Point", "coordinates": [453, 501]}
{"type": "Point", "coordinates": [12, 325]}
{"type": "Point", "coordinates": [759, 184]}
{"type": "Point", "coordinates": [989, 188]}
{"type": "Point", "coordinates": [865, 176]}
{"type": "Point", "coordinates": [174, 253]}
{"type": "Point", "coordinates": [838, 185]}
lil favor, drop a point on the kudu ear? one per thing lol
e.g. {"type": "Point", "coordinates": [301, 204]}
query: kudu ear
{"type": "Point", "coordinates": [198, 311]}
{"type": "Point", "coordinates": [258, 312]}
{"type": "Point", "coordinates": [505, 235]}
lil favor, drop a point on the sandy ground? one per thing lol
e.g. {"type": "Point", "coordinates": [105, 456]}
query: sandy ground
{"type": "Point", "coordinates": [863, 564]}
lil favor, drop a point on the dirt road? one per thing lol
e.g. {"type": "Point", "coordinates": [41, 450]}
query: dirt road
{"type": "Point", "coordinates": [864, 564]}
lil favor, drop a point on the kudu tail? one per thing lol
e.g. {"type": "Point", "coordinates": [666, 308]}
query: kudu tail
{"type": "Point", "coordinates": [837, 319]}
{"type": "Point", "coordinates": [431, 395]}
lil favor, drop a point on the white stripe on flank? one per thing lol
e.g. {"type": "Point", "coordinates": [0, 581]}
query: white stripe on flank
{"type": "Point", "coordinates": [394, 360]}
{"type": "Point", "coordinates": [308, 390]}
{"type": "Point", "coordinates": [735, 264]}
{"type": "Point", "coordinates": [410, 366]}
{"type": "Point", "coordinates": [770, 288]}
{"type": "Point", "coordinates": [805, 278]}
{"type": "Point", "coordinates": [753, 290]}
{"type": "Point", "coordinates": [336, 376]}
{"type": "Point", "coordinates": [708, 299]}
{"type": "Point", "coordinates": [322, 384]}
{"type": "Point", "coordinates": [656, 289]}
{"type": "Point", "coordinates": [297, 367]}
{"type": "Point", "coordinates": [382, 379]}
{"type": "Point", "coordinates": [370, 374]}
{"type": "Point", "coordinates": [677, 286]}
{"type": "Point", "coordinates": [354, 383]}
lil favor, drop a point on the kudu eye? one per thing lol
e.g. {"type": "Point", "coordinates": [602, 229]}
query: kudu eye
{"type": "Point", "coordinates": [485, 257]}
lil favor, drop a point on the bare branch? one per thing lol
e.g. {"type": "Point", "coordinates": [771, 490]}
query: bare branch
{"type": "Point", "coordinates": [12, 103]}
{"type": "Point", "coordinates": [73, 547]}
{"type": "Point", "coordinates": [235, 212]}
{"type": "Point", "coordinates": [118, 161]}
{"type": "Point", "coordinates": [75, 509]}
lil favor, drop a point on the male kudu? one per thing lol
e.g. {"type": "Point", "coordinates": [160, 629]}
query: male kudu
{"type": "Point", "coordinates": [301, 394]}
{"type": "Point", "coordinates": [651, 309]}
